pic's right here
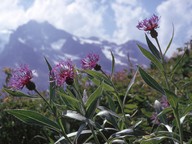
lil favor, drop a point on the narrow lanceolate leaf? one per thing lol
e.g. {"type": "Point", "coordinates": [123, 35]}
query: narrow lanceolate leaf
{"type": "Point", "coordinates": [70, 101]}
{"type": "Point", "coordinates": [168, 46]}
{"type": "Point", "coordinates": [113, 64]}
{"type": "Point", "coordinates": [129, 87]}
{"type": "Point", "coordinates": [51, 82]}
{"type": "Point", "coordinates": [150, 81]}
{"type": "Point", "coordinates": [17, 93]}
{"type": "Point", "coordinates": [152, 48]}
{"type": "Point", "coordinates": [32, 117]}
{"type": "Point", "coordinates": [177, 65]}
{"type": "Point", "coordinates": [152, 58]}
{"type": "Point", "coordinates": [80, 130]}
{"type": "Point", "coordinates": [74, 115]}
{"type": "Point", "coordinates": [93, 97]}
{"type": "Point", "coordinates": [172, 98]}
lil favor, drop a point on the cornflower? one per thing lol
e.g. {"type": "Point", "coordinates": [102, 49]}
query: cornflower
{"type": "Point", "coordinates": [90, 62]}
{"type": "Point", "coordinates": [63, 72]}
{"type": "Point", "coordinates": [150, 25]}
{"type": "Point", "coordinates": [20, 77]}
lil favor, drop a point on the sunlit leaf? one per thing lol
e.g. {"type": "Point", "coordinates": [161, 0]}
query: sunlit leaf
{"type": "Point", "coordinates": [74, 115]}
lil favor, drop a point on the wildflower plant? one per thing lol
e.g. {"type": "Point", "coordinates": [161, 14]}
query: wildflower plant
{"type": "Point", "coordinates": [171, 103]}
{"type": "Point", "coordinates": [102, 114]}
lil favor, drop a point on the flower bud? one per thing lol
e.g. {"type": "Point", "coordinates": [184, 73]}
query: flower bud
{"type": "Point", "coordinates": [30, 85]}
{"type": "Point", "coordinates": [153, 33]}
{"type": "Point", "coordinates": [97, 67]}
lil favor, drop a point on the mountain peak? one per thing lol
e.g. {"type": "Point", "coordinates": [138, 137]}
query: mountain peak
{"type": "Point", "coordinates": [33, 41]}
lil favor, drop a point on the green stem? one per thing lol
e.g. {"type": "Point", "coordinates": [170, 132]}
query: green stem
{"type": "Point", "coordinates": [104, 73]}
{"type": "Point", "coordinates": [94, 135]}
{"type": "Point", "coordinates": [163, 63]}
{"type": "Point", "coordinates": [63, 131]}
{"type": "Point", "coordinates": [176, 114]}
{"type": "Point", "coordinates": [44, 100]}
{"type": "Point", "coordinates": [55, 114]}
{"type": "Point", "coordinates": [118, 99]}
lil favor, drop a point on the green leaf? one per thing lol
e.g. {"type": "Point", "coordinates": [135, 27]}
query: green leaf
{"type": "Point", "coordinates": [80, 130]}
{"type": "Point", "coordinates": [172, 98]}
{"type": "Point", "coordinates": [17, 93]}
{"type": "Point", "coordinates": [187, 109]}
{"type": "Point", "coordinates": [94, 96]}
{"type": "Point", "coordinates": [51, 83]}
{"type": "Point", "coordinates": [113, 64]}
{"type": "Point", "coordinates": [32, 117]}
{"type": "Point", "coordinates": [129, 87]}
{"type": "Point", "coordinates": [107, 116]}
{"type": "Point", "coordinates": [90, 111]}
{"type": "Point", "coordinates": [150, 81]}
{"type": "Point", "coordinates": [69, 100]}
{"type": "Point", "coordinates": [168, 46]}
{"type": "Point", "coordinates": [152, 48]}
{"type": "Point", "coordinates": [125, 133]}
{"type": "Point", "coordinates": [176, 65]}
{"type": "Point", "coordinates": [152, 58]}
{"type": "Point", "coordinates": [74, 115]}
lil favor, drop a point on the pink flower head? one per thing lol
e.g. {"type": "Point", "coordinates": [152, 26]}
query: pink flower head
{"type": "Point", "coordinates": [63, 72]}
{"type": "Point", "coordinates": [90, 61]}
{"type": "Point", "coordinates": [149, 24]}
{"type": "Point", "coordinates": [21, 76]}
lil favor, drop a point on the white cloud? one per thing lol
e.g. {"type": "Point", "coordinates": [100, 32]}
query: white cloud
{"type": "Point", "coordinates": [180, 14]}
{"type": "Point", "coordinates": [127, 14]}
{"type": "Point", "coordinates": [11, 15]}
{"type": "Point", "coordinates": [113, 20]}
{"type": "Point", "coordinates": [80, 17]}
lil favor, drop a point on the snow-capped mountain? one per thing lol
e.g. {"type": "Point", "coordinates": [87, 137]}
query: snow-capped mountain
{"type": "Point", "coordinates": [33, 41]}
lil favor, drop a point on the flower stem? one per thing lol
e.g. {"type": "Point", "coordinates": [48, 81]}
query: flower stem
{"type": "Point", "coordinates": [118, 99]}
{"type": "Point", "coordinates": [44, 100]}
{"type": "Point", "coordinates": [176, 114]}
{"type": "Point", "coordinates": [94, 135]}
{"type": "Point", "coordinates": [163, 63]}
{"type": "Point", "coordinates": [55, 114]}
{"type": "Point", "coordinates": [63, 131]}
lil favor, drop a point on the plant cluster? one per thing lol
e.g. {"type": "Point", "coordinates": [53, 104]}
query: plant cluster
{"type": "Point", "coordinates": [86, 105]}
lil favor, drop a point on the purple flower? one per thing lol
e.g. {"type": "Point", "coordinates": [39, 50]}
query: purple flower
{"type": "Point", "coordinates": [155, 119]}
{"type": "Point", "coordinates": [63, 72]}
{"type": "Point", "coordinates": [21, 77]}
{"type": "Point", "coordinates": [149, 24]}
{"type": "Point", "coordinates": [90, 61]}
{"type": "Point", "coordinates": [164, 102]}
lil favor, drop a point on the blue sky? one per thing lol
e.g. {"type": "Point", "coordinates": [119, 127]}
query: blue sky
{"type": "Point", "coordinates": [113, 20]}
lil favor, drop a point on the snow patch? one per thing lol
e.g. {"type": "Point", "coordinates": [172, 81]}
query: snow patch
{"type": "Point", "coordinates": [107, 53]}
{"type": "Point", "coordinates": [74, 38]}
{"type": "Point", "coordinates": [21, 40]}
{"type": "Point", "coordinates": [58, 44]}
{"type": "Point", "coordinates": [88, 41]}
{"type": "Point", "coordinates": [68, 56]}
{"type": "Point", "coordinates": [133, 59]}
